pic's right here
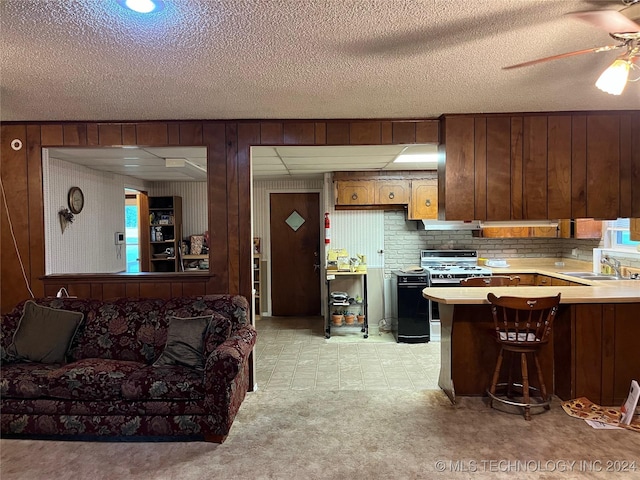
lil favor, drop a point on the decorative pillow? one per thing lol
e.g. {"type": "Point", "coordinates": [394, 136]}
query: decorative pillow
{"type": "Point", "coordinates": [44, 334]}
{"type": "Point", "coordinates": [185, 342]}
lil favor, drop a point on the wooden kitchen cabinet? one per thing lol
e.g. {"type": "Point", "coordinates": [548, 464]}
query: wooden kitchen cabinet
{"type": "Point", "coordinates": [355, 192]}
{"type": "Point", "coordinates": [519, 232]}
{"type": "Point", "coordinates": [581, 228]}
{"type": "Point", "coordinates": [634, 229]}
{"type": "Point", "coordinates": [392, 192]}
{"type": "Point", "coordinates": [424, 200]}
{"type": "Point", "coordinates": [540, 166]}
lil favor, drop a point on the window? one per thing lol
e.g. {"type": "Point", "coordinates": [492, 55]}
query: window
{"type": "Point", "coordinates": [618, 236]}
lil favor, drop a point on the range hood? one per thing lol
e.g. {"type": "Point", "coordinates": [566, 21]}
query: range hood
{"type": "Point", "coordinates": [450, 225]}
{"type": "Point", "coordinates": [478, 225]}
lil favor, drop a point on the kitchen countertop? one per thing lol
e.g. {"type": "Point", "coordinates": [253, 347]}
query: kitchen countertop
{"type": "Point", "coordinates": [593, 291]}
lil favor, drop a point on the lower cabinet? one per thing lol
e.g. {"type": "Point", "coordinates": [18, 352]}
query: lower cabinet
{"type": "Point", "coordinates": [604, 358]}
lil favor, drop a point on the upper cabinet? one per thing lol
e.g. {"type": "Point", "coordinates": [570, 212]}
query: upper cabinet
{"type": "Point", "coordinates": [540, 166]}
{"type": "Point", "coordinates": [415, 190]}
{"type": "Point", "coordinates": [634, 229]}
{"type": "Point", "coordinates": [424, 200]}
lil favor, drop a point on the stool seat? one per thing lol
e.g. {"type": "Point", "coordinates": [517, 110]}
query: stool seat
{"type": "Point", "coordinates": [522, 326]}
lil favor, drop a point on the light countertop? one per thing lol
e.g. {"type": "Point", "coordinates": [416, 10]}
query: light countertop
{"type": "Point", "coordinates": [593, 291]}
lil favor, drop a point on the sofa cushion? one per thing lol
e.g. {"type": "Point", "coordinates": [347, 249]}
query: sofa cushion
{"type": "Point", "coordinates": [25, 380]}
{"type": "Point", "coordinates": [185, 342]}
{"type": "Point", "coordinates": [164, 383]}
{"type": "Point", "coordinates": [44, 334]}
{"type": "Point", "coordinates": [131, 329]}
{"type": "Point", "coordinates": [91, 379]}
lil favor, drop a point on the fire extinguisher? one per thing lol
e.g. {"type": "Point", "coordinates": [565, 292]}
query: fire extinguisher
{"type": "Point", "coordinates": [327, 229]}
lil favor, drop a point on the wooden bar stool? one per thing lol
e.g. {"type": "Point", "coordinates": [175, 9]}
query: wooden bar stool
{"type": "Point", "coordinates": [492, 281]}
{"type": "Point", "coordinates": [522, 326]}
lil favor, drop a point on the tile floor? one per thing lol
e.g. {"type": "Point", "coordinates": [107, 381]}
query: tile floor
{"type": "Point", "coordinates": [293, 354]}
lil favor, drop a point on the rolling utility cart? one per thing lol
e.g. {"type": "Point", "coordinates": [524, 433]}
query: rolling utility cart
{"type": "Point", "coordinates": [339, 303]}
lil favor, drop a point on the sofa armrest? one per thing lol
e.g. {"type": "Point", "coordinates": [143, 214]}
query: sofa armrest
{"type": "Point", "coordinates": [228, 359]}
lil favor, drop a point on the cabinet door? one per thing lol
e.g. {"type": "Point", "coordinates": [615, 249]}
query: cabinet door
{"type": "Point", "coordinates": [392, 192]}
{"type": "Point", "coordinates": [526, 279]}
{"type": "Point", "coordinates": [356, 192]}
{"type": "Point", "coordinates": [543, 280]}
{"type": "Point", "coordinates": [634, 228]}
{"type": "Point", "coordinates": [424, 200]}
{"type": "Point", "coordinates": [587, 228]}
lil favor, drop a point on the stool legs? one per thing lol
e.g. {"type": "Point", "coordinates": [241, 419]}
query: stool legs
{"type": "Point", "coordinates": [496, 374]}
{"type": "Point", "coordinates": [525, 385]}
{"type": "Point", "coordinates": [543, 389]}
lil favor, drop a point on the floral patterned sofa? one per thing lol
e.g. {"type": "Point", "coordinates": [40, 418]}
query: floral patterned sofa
{"type": "Point", "coordinates": [111, 381]}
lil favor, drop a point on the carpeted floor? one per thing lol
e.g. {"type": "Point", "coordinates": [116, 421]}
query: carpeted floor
{"type": "Point", "coordinates": [349, 435]}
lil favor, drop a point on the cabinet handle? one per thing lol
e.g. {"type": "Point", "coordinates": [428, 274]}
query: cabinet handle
{"type": "Point", "coordinates": [392, 196]}
{"type": "Point", "coordinates": [428, 202]}
{"type": "Point", "coordinates": [354, 196]}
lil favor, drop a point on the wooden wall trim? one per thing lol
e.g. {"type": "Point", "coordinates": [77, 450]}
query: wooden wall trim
{"type": "Point", "coordinates": [228, 145]}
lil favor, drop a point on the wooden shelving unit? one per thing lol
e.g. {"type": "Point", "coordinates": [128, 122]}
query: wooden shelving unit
{"type": "Point", "coordinates": [165, 232]}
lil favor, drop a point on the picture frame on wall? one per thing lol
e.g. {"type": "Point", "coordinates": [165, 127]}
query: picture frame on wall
{"type": "Point", "coordinates": [256, 245]}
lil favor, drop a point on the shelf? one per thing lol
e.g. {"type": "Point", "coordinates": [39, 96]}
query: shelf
{"type": "Point", "coordinates": [195, 257]}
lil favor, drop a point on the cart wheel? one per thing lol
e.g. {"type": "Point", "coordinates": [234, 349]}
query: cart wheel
{"type": "Point", "coordinates": [366, 336]}
{"type": "Point", "coordinates": [327, 336]}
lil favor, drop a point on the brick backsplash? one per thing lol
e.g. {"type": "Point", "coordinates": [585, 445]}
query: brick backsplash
{"type": "Point", "coordinates": [405, 238]}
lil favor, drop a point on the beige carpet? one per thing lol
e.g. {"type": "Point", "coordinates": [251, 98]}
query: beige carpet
{"type": "Point", "coordinates": [348, 435]}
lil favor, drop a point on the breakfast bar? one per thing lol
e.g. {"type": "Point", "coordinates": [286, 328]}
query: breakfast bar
{"type": "Point", "coordinates": [593, 351]}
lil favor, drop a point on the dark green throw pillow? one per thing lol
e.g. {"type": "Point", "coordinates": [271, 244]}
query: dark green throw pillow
{"type": "Point", "coordinates": [44, 334]}
{"type": "Point", "coordinates": [185, 342]}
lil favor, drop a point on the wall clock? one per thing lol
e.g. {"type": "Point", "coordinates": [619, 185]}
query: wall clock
{"type": "Point", "coordinates": [75, 200]}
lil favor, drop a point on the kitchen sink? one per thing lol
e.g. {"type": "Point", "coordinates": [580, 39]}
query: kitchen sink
{"type": "Point", "coordinates": [590, 275]}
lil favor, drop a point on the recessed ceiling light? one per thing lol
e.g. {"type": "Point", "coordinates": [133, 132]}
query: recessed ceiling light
{"type": "Point", "coordinates": [142, 6]}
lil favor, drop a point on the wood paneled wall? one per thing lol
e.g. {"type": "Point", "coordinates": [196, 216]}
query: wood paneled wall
{"type": "Point", "coordinates": [229, 180]}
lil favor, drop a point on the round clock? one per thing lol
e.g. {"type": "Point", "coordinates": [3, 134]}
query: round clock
{"type": "Point", "coordinates": [75, 200]}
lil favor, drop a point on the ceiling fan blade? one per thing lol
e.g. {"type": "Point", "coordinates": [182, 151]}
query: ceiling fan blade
{"type": "Point", "coordinates": [564, 55]}
{"type": "Point", "coordinates": [608, 20]}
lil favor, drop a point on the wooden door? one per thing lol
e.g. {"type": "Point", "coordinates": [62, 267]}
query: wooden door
{"type": "Point", "coordinates": [295, 254]}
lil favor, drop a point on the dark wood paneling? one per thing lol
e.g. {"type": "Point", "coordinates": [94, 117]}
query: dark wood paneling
{"type": "Point", "coordinates": [603, 166]}
{"type": "Point", "coordinates": [153, 134]}
{"type": "Point", "coordinates": [13, 169]}
{"type": "Point", "coordinates": [386, 133]}
{"type": "Point", "coordinates": [74, 134]}
{"type": "Point", "coordinates": [562, 353]}
{"type": "Point", "coordinates": [321, 133]}
{"type": "Point", "coordinates": [625, 166]}
{"type": "Point", "coordinates": [233, 204]}
{"type": "Point", "coordinates": [97, 290]}
{"type": "Point", "coordinates": [480, 184]}
{"type": "Point", "coordinates": [271, 133]}
{"type": "Point", "coordinates": [110, 134]}
{"type": "Point", "coordinates": [578, 166]}
{"type": "Point", "coordinates": [404, 132]}
{"type": "Point", "coordinates": [460, 166]}
{"type": "Point", "coordinates": [132, 289]}
{"type": "Point", "coordinates": [215, 140]}
{"type": "Point", "coordinates": [498, 170]}
{"type": "Point", "coordinates": [534, 160]}
{"type": "Point", "coordinates": [190, 133]}
{"type": "Point", "coordinates": [194, 288]}
{"type": "Point", "coordinates": [559, 166]}
{"type": "Point", "coordinates": [36, 211]}
{"type": "Point", "coordinates": [517, 210]}
{"type": "Point", "coordinates": [608, 354]}
{"type": "Point", "coordinates": [337, 133]}
{"type": "Point", "coordinates": [588, 352]}
{"type": "Point", "coordinates": [129, 134]}
{"type": "Point", "coordinates": [173, 133]}
{"type": "Point", "coordinates": [299, 133]}
{"type": "Point", "coordinates": [155, 290]}
{"type": "Point", "coordinates": [428, 131]}
{"type": "Point", "coordinates": [626, 363]}
{"type": "Point", "coordinates": [635, 166]}
{"type": "Point", "coordinates": [364, 133]}
{"type": "Point", "coordinates": [113, 290]}
{"type": "Point", "coordinates": [176, 289]}
{"type": "Point", "coordinates": [52, 135]}
{"type": "Point", "coordinates": [248, 134]}
{"type": "Point", "coordinates": [92, 135]}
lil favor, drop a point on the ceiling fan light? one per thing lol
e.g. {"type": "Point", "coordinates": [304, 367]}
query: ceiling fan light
{"type": "Point", "coordinates": [614, 78]}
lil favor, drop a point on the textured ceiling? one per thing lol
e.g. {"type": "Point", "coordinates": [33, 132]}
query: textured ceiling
{"type": "Point", "coordinates": [220, 59]}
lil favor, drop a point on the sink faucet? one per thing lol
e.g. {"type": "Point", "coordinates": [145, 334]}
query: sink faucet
{"type": "Point", "coordinates": [613, 263]}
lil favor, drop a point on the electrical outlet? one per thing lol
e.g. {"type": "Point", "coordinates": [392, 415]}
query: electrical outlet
{"type": "Point", "coordinates": [574, 252]}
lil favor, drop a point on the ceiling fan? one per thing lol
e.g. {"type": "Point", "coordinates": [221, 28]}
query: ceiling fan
{"type": "Point", "coordinates": [622, 26]}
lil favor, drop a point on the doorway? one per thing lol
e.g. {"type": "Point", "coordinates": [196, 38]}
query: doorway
{"type": "Point", "coordinates": [295, 254]}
